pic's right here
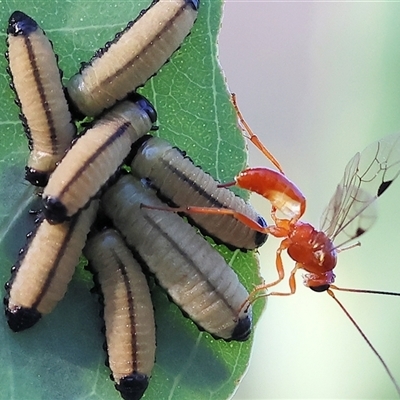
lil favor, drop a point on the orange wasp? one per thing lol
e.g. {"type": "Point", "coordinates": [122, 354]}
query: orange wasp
{"type": "Point", "coordinates": [349, 214]}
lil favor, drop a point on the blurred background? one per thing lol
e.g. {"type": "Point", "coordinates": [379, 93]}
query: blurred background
{"type": "Point", "coordinates": [319, 81]}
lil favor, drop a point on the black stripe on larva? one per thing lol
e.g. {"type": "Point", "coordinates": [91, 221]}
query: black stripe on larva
{"type": "Point", "coordinates": [182, 251]}
{"type": "Point", "coordinates": [111, 78]}
{"type": "Point", "coordinates": [162, 232]}
{"type": "Point", "coordinates": [147, 272]}
{"type": "Point", "coordinates": [131, 307]}
{"type": "Point", "coordinates": [98, 289]}
{"type": "Point", "coordinates": [260, 237]}
{"type": "Point", "coordinates": [190, 179]}
{"type": "Point", "coordinates": [42, 94]}
{"type": "Point", "coordinates": [133, 386]}
{"type": "Point", "coordinates": [25, 27]}
{"type": "Point", "coordinates": [242, 330]}
{"type": "Point", "coordinates": [102, 50]}
{"type": "Point", "coordinates": [62, 216]}
{"type": "Point", "coordinates": [54, 210]}
{"type": "Point", "coordinates": [21, 24]}
{"type": "Point", "coordinates": [60, 254]}
{"type": "Point", "coordinates": [191, 183]}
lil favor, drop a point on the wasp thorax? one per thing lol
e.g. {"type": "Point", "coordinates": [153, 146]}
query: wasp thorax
{"type": "Point", "coordinates": [312, 249]}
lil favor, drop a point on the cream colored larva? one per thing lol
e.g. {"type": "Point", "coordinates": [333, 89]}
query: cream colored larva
{"type": "Point", "coordinates": [94, 158]}
{"type": "Point", "coordinates": [45, 267]}
{"type": "Point", "coordinates": [195, 275]}
{"type": "Point", "coordinates": [36, 80]}
{"type": "Point", "coordinates": [135, 54]}
{"type": "Point", "coordinates": [128, 312]}
{"type": "Point", "coordinates": [181, 183]}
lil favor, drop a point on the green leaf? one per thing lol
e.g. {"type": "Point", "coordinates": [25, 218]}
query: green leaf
{"type": "Point", "coordinates": [62, 357]}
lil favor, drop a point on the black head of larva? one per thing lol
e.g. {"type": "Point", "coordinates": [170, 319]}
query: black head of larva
{"type": "Point", "coordinates": [144, 104]}
{"type": "Point", "coordinates": [54, 211]}
{"type": "Point", "coordinates": [35, 177]}
{"type": "Point", "coordinates": [261, 238]}
{"type": "Point", "coordinates": [21, 318]}
{"type": "Point", "coordinates": [133, 386]}
{"type": "Point", "coordinates": [242, 329]}
{"type": "Point", "coordinates": [194, 3]}
{"type": "Point", "coordinates": [21, 24]}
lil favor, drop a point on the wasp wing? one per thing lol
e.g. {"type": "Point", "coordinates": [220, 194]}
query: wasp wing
{"type": "Point", "coordinates": [366, 177]}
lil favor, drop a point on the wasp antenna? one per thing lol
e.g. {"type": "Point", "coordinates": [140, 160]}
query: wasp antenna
{"type": "Point", "coordinates": [365, 291]}
{"type": "Point", "coordinates": [329, 291]}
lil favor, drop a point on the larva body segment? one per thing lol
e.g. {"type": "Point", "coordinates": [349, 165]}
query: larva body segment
{"type": "Point", "coordinates": [94, 158]}
{"type": "Point", "coordinates": [41, 276]}
{"type": "Point", "coordinates": [36, 81]}
{"type": "Point", "coordinates": [181, 183]}
{"type": "Point", "coordinates": [195, 275]}
{"type": "Point", "coordinates": [135, 54]}
{"type": "Point", "coordinates": [128, 312]}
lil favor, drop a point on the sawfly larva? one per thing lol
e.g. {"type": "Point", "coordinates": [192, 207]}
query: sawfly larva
{"type": "Point", "coordinates": [181, 183]}
{"type": "Point", "coordinates": [40, 278]}
{"type": "Point", "coordinates": [133, 56]}
{"type": "Point", "coordinates": [94, 158]}
{"type": "Point", "coordinates": [195, 275]}
{"type": "Point", "coordinates": [36, 80]}
{"type": "Point", "coordinates": [128, 312]}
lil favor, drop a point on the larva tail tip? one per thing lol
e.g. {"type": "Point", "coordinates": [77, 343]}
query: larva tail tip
{"type": "Point", "coordinates": [21, 24]}
{"type": "Point", "coordinates": [21, 318]}
{"type": "Point", "coordinates": [242, 329]}
{"type": "Point", "coordinates": [133, 386]}
{"type": "Point", "coordinates": [54, 211]}
{"type": "Point", "coordinates": [35, 177]}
